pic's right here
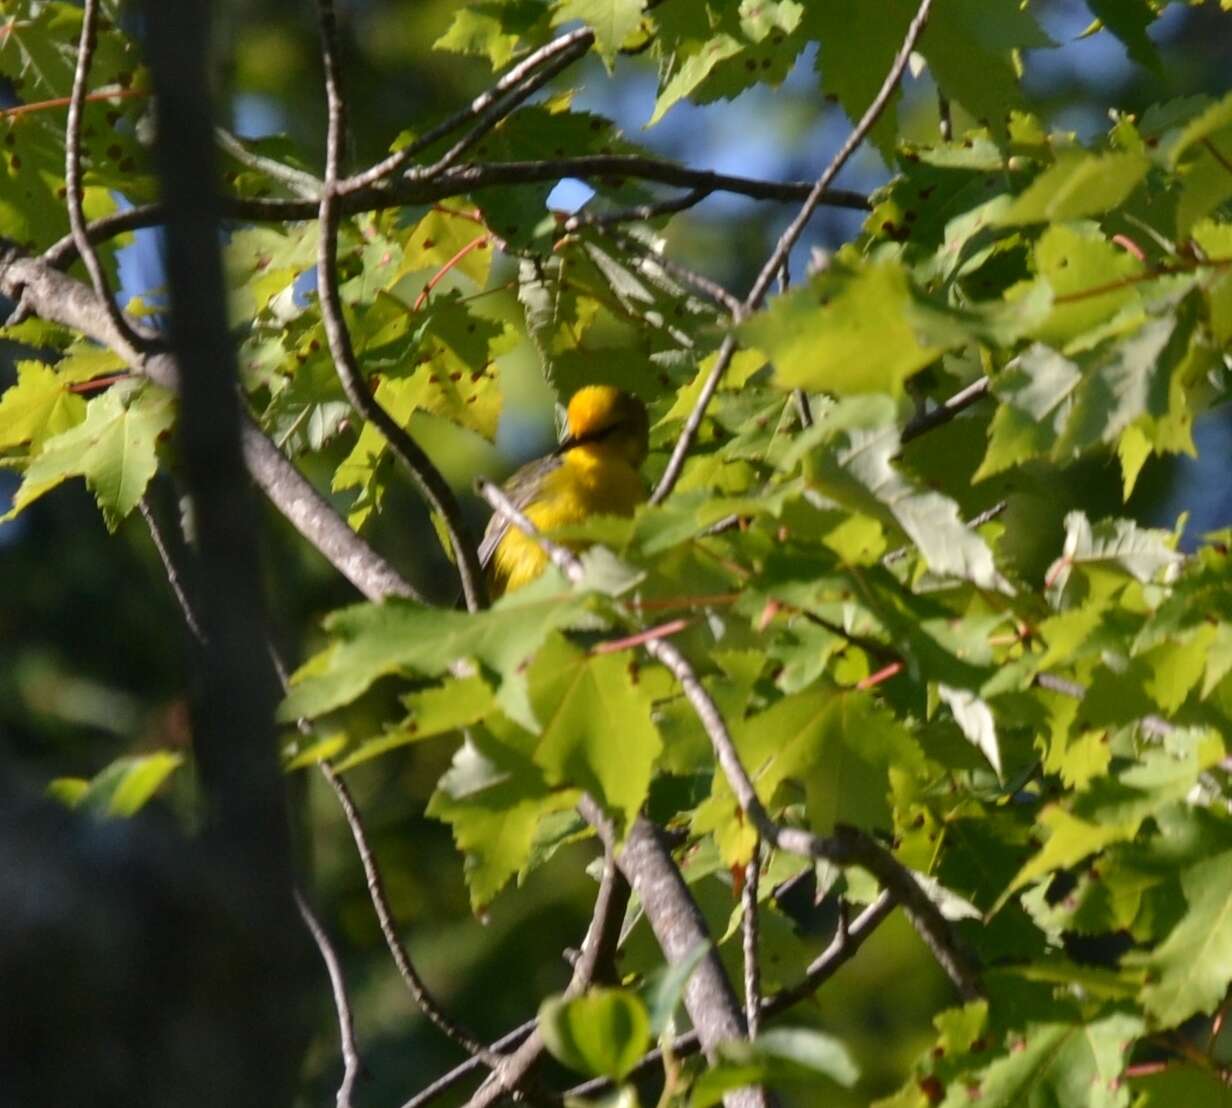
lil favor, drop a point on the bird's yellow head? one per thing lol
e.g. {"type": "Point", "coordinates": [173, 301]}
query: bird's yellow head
{"type": "Point", "coordinates": [604, 414]}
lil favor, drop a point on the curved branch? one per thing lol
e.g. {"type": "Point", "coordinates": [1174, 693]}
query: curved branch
{"type": "Point", "coordinates": [427, 477]}
{"type": "Point", "coordinates": [72, 167]}
{"type": "Point", "coordinates": [346, 1024]}
{"type": "Point", "coordinates": [376, 889]}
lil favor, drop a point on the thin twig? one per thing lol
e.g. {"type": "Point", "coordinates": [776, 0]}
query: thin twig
{"type": "Point", "coordinates": [491, 105]}
{"type": "Point", "coordinates": [946, 411]}
{"type": "Point", "coordinates": [72, 169]}
{"type": "Point", "coordinates": [426, 476]}
{"type": "Point", "coordinates": [749, 935]}
{"type": "Point", "coordinates": [173, 572]}
{"type": "Point", "coordinates": [640, 213]}
{"type": "Point", "coordinates": [778, 257]}
{"type": "Point", "coordinates": [699, 281]}
{"type": "Point", "coordinates": [346, 1023]}
{"type": "Point", "coordinates": [599, 945]}
{"type": "Point", "coordinates": [302, 184]}
{"type": "Point", "coordinates": [424, 999]}
{"type": "Point", "coordinates": [460, 1072]}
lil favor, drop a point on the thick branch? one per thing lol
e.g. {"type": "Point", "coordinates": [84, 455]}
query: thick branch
{"type": "Point", "coordinates": [678, 926]}
{"type": "Point", "coordinates": [842, 948]}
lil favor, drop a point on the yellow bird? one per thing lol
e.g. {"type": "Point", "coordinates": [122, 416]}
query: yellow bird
{"type": "Point", "coordinates": [594, 471]}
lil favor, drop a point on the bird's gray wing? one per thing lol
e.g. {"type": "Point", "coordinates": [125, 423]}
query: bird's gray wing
{"type": "Point", "coordinates": [520, 489]}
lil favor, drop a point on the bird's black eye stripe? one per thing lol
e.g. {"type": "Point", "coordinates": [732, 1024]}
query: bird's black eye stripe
{"type": "Point", "coordinates": [597, 435]}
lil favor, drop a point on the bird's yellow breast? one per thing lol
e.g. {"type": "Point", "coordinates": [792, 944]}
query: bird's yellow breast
{"type": "Point", "coordinates": [589, 481]}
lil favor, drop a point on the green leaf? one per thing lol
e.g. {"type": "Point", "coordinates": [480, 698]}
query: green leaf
{"type": "Point", "coordinates": [847, 331]}
{"type": "Point", "coordinates": [596, 732]}
{"type": "Point", "coordinates": [604, 1033]}
{"type": "Point", "coordinates": [1067, 1065]}
{"type": "Point", "coordinates": [370, 641]}
{"type": "Point", "coordinates": [494, 799]}
{"type": "Point", "coordinates": [613, 21]}
{"type": "Point", "coordinates": [784, 1055]}
{"type": "Point", "coordinates": [1190, 970]}
{"type": "Point", "coordinates": [122, 788]}
{"type": "Point", "coordinates": [1057, 408]}
{"type": "Point", "coordinates": [1076, 260]}
{"type": "Point", "coordinates": [970, 46]}
{"type": "Point", "coordinates": [114, 449]}
{"type": "Point", "coordinates": [449, 707]}
{"type": "Point", "coordinates": [974, 719]}
{"type": "Point", "coordinates": [837, 745]}
{"type": "Point", "coordinates": [854, 53]}
{"type": "Point", "coordinates": [858, 472]}
{"type": "Point", "coordinates": [496, 30]}
{"type": "Point", "coordinates": [38, 407]}
{"type": "Point", "coordinates": [1117, 544]}
{"type": "Point", "coordinates": [1079, 184]}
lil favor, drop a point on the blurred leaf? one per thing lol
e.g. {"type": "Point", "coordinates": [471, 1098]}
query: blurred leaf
{"type": "Point", "coordinates": [845, 332]}
{"type": "Point", "coordinates": [596, 731]}
{"type": "Point", "coordinates": [603, 1033]}
{"type": "Point", "coordinates": [788, 1055]}
{"type": "Point", "coordinates": [1079, 184]}
{"type": "Point", "coordinates": [1190, 970]}
{"type": "Point", "coordinates": [123, 787]}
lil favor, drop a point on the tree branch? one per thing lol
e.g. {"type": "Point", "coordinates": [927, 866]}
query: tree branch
{"type": "Point", "coordinates": [419, 991]}
{"type": "Point", "coordinates": [488, 108]}
{"type": "Point", "coordinates": [72, 167]}
{"type": "Point", "coordinates": [464, 179]}
{"type": "Point", "coordinates": [778, 257]}
{"type": "Point", "coordinates": [945, 411]}
{"type": "Point", "coordinates": [351, 1064]}
{"type": "Point", "coordinates": [57, 298]}
{"type": "Point", "coordinates": [678, 925]}
{"type": "Point", "coordinates": [597, 948]}
{"type": "Point", "coordinates": [749, 936]}
{"type": "Point", "coordinates": [425, 474]}
{"type": "Point", "coordinates": [841, 950]}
